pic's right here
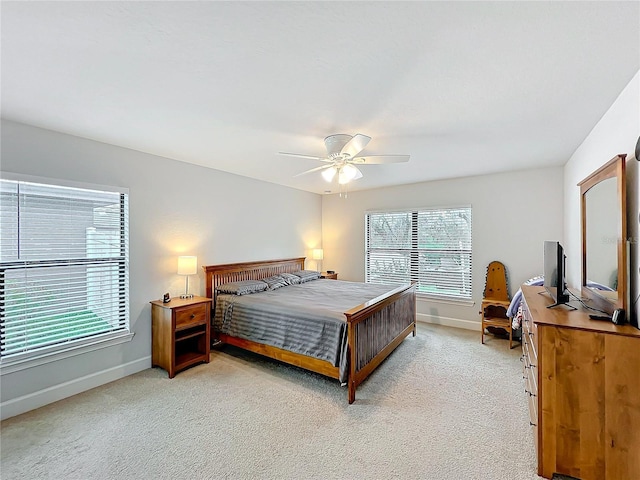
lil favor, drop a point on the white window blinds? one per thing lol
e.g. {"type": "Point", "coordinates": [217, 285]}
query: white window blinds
{"type": "Point", "coordinates": [64, 265]}
{"type": "Point", "coordinates": [429, 246]}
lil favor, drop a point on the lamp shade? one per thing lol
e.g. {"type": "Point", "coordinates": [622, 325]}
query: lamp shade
{"type": "Point", "coordinates": [329, 173]}
{"type": "Point", "coordinates": [187, 265]}
{"type": "Point", "coordinates": [347, 173]}
{"type": "Point", "coordinates": [318, 254]}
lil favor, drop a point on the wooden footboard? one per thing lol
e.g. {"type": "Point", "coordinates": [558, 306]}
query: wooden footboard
{"type": "Point", "coordinates": [374, 329]}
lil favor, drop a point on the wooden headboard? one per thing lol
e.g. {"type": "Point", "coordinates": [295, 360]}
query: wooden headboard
{"type": "Point", "coordinates": [216, 275]}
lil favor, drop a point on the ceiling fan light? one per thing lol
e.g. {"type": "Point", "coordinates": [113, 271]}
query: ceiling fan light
{"type": "Point", "coordinates": [347, 173]}
{"type": "Point", "coordinates": [329, 173]}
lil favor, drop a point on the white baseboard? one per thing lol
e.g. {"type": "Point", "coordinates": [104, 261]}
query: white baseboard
{"type": "Point", "coordinates": [38, 399]}
{"type": "Point", "coordinates": [449, 322]}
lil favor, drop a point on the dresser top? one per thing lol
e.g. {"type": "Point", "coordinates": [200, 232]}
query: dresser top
{"type": "Point", "coordinates": [561, 316]}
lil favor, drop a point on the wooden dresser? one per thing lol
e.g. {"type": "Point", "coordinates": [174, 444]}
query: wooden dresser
{"type": "Point", "coordinates": [582, 382]}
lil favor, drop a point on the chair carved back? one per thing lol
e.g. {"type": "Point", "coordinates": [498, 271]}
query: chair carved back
{"type": "Point", "coordinates": [496, 286]}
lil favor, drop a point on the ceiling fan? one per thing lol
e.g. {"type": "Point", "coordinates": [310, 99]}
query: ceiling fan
{"type": "Point", "coordinates": [341, 158]}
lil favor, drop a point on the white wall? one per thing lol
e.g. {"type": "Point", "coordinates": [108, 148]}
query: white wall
{"type": "Point", "coordinates": [175, 208]}
{"type": "Point", "coordinates": [178, 208]}
{"type": "Point", "coordinates": [513, 213]}
{"type": "Point", "coordinates": [617, 132]}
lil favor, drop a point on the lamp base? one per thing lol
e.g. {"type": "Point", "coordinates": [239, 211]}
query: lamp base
{"type": "Point", "coordinates": [186, 293]}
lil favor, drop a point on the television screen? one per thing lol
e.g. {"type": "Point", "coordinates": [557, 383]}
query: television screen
{"type": "Point", "coordinates": [554, 275]}
{"type": "Point", "coordinates": [550, 264]}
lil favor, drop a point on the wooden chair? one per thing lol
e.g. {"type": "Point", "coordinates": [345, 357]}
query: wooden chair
{"type": "Point", "coordinates": [496, 301]}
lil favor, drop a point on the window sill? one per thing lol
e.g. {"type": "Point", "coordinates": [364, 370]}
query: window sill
{"type": "Point", "coordinates": [35, 359]}
{"type": "Point", "coordinates": [424, 297]}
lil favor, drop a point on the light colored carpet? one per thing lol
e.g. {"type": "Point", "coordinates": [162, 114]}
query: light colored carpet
{"type": "Point", "coordinates": [443, 406]}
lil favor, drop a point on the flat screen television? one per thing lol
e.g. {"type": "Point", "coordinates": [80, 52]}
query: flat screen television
{"type": "Point", "coordinates": [555, 282]}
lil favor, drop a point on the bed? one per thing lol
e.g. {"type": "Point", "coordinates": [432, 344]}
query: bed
{"type": "Point", "coordinates": [356, 339]}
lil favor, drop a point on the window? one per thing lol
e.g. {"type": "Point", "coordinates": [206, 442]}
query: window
{"type": "Point", "coordinates": [64, 268]}
{"type": "Point", "coordinates": [429, 246]}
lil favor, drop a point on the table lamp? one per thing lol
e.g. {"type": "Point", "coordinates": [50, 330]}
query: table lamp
{"type": "Point", "coordinates": [187, 265]}
{"type": "Point", "coordinates": [318, 255]}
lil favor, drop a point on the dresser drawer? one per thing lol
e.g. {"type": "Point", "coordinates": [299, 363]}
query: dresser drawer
{"type": "Point", "coordinates": [191, 315]}
{"type": "Point", "coordinates": [530, 336]}
{"type": "Point", "coordinates": [529, 373]}
{"type": "Point", "coordinates": [530, 382]}
{"type": "Point", "coordinates": [529, 351]}
{"type": "Point", "coordinates": [533, 409]}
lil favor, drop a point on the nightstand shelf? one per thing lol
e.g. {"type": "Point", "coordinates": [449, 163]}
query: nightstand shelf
{"type": "Point", "coordinates": [184, 360]}
{"type": "Point", "coordinates": [180, 333]}
{"type": "Point", "coordinates": [330, 276]}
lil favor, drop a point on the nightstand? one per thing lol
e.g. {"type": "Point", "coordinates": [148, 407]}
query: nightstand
{"type": "Point", "coordinates": [330, 276]}
{"type": "Point", "coordinates": [180, 333]}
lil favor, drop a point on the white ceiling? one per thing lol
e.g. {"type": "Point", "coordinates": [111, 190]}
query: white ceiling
{"type": "Point", "coordinates": [465, 88]}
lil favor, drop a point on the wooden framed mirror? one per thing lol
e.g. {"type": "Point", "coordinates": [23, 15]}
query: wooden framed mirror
{"type": "Point", "coordinates": [603, 203]}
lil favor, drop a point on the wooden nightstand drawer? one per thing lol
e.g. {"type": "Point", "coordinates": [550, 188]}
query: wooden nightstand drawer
{"type": "Point", "coordinates": [191, 315]}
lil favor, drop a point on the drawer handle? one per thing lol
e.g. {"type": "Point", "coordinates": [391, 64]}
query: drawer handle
{"type": "Point", "coordinates": [532, 424]}
{"type": "Point", "coordinates": [530, 334]}
{"type": "Point", "coordinates": [522, 358]}
{"type": "Point", "coordinates": [193, 315]}
{"type": "Point", "coordinates": [530, 394]}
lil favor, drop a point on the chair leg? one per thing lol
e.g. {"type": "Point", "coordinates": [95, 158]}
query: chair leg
{"type": "Point", "coordinates": [510, 338]}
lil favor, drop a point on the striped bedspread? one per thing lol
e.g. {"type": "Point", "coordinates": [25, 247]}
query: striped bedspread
{"type": "Point", "coordinates": [307, 319]}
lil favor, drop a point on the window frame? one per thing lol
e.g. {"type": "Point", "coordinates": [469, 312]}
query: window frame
{"type": "Point", "coordinates": [413, 252]}
{"type": "Point", "coordinates": [51, 353]}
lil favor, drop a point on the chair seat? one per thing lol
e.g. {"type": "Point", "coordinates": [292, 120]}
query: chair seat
{"type": "Point", "coordinates": [497, 322]}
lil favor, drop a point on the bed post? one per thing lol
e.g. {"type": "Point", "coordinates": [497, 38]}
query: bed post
{"type": "Point", "coordinates": [351, 345]}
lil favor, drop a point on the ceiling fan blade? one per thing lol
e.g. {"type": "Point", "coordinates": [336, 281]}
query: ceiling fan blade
{"type": "Point", "coordinates": [355, 145]}
{"type": "Point", "coordinates": [322, 167]}
{"type": "Point", "coordinates": [311, 157]}
{"type": "Point", "coordinates": [379, 159]}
